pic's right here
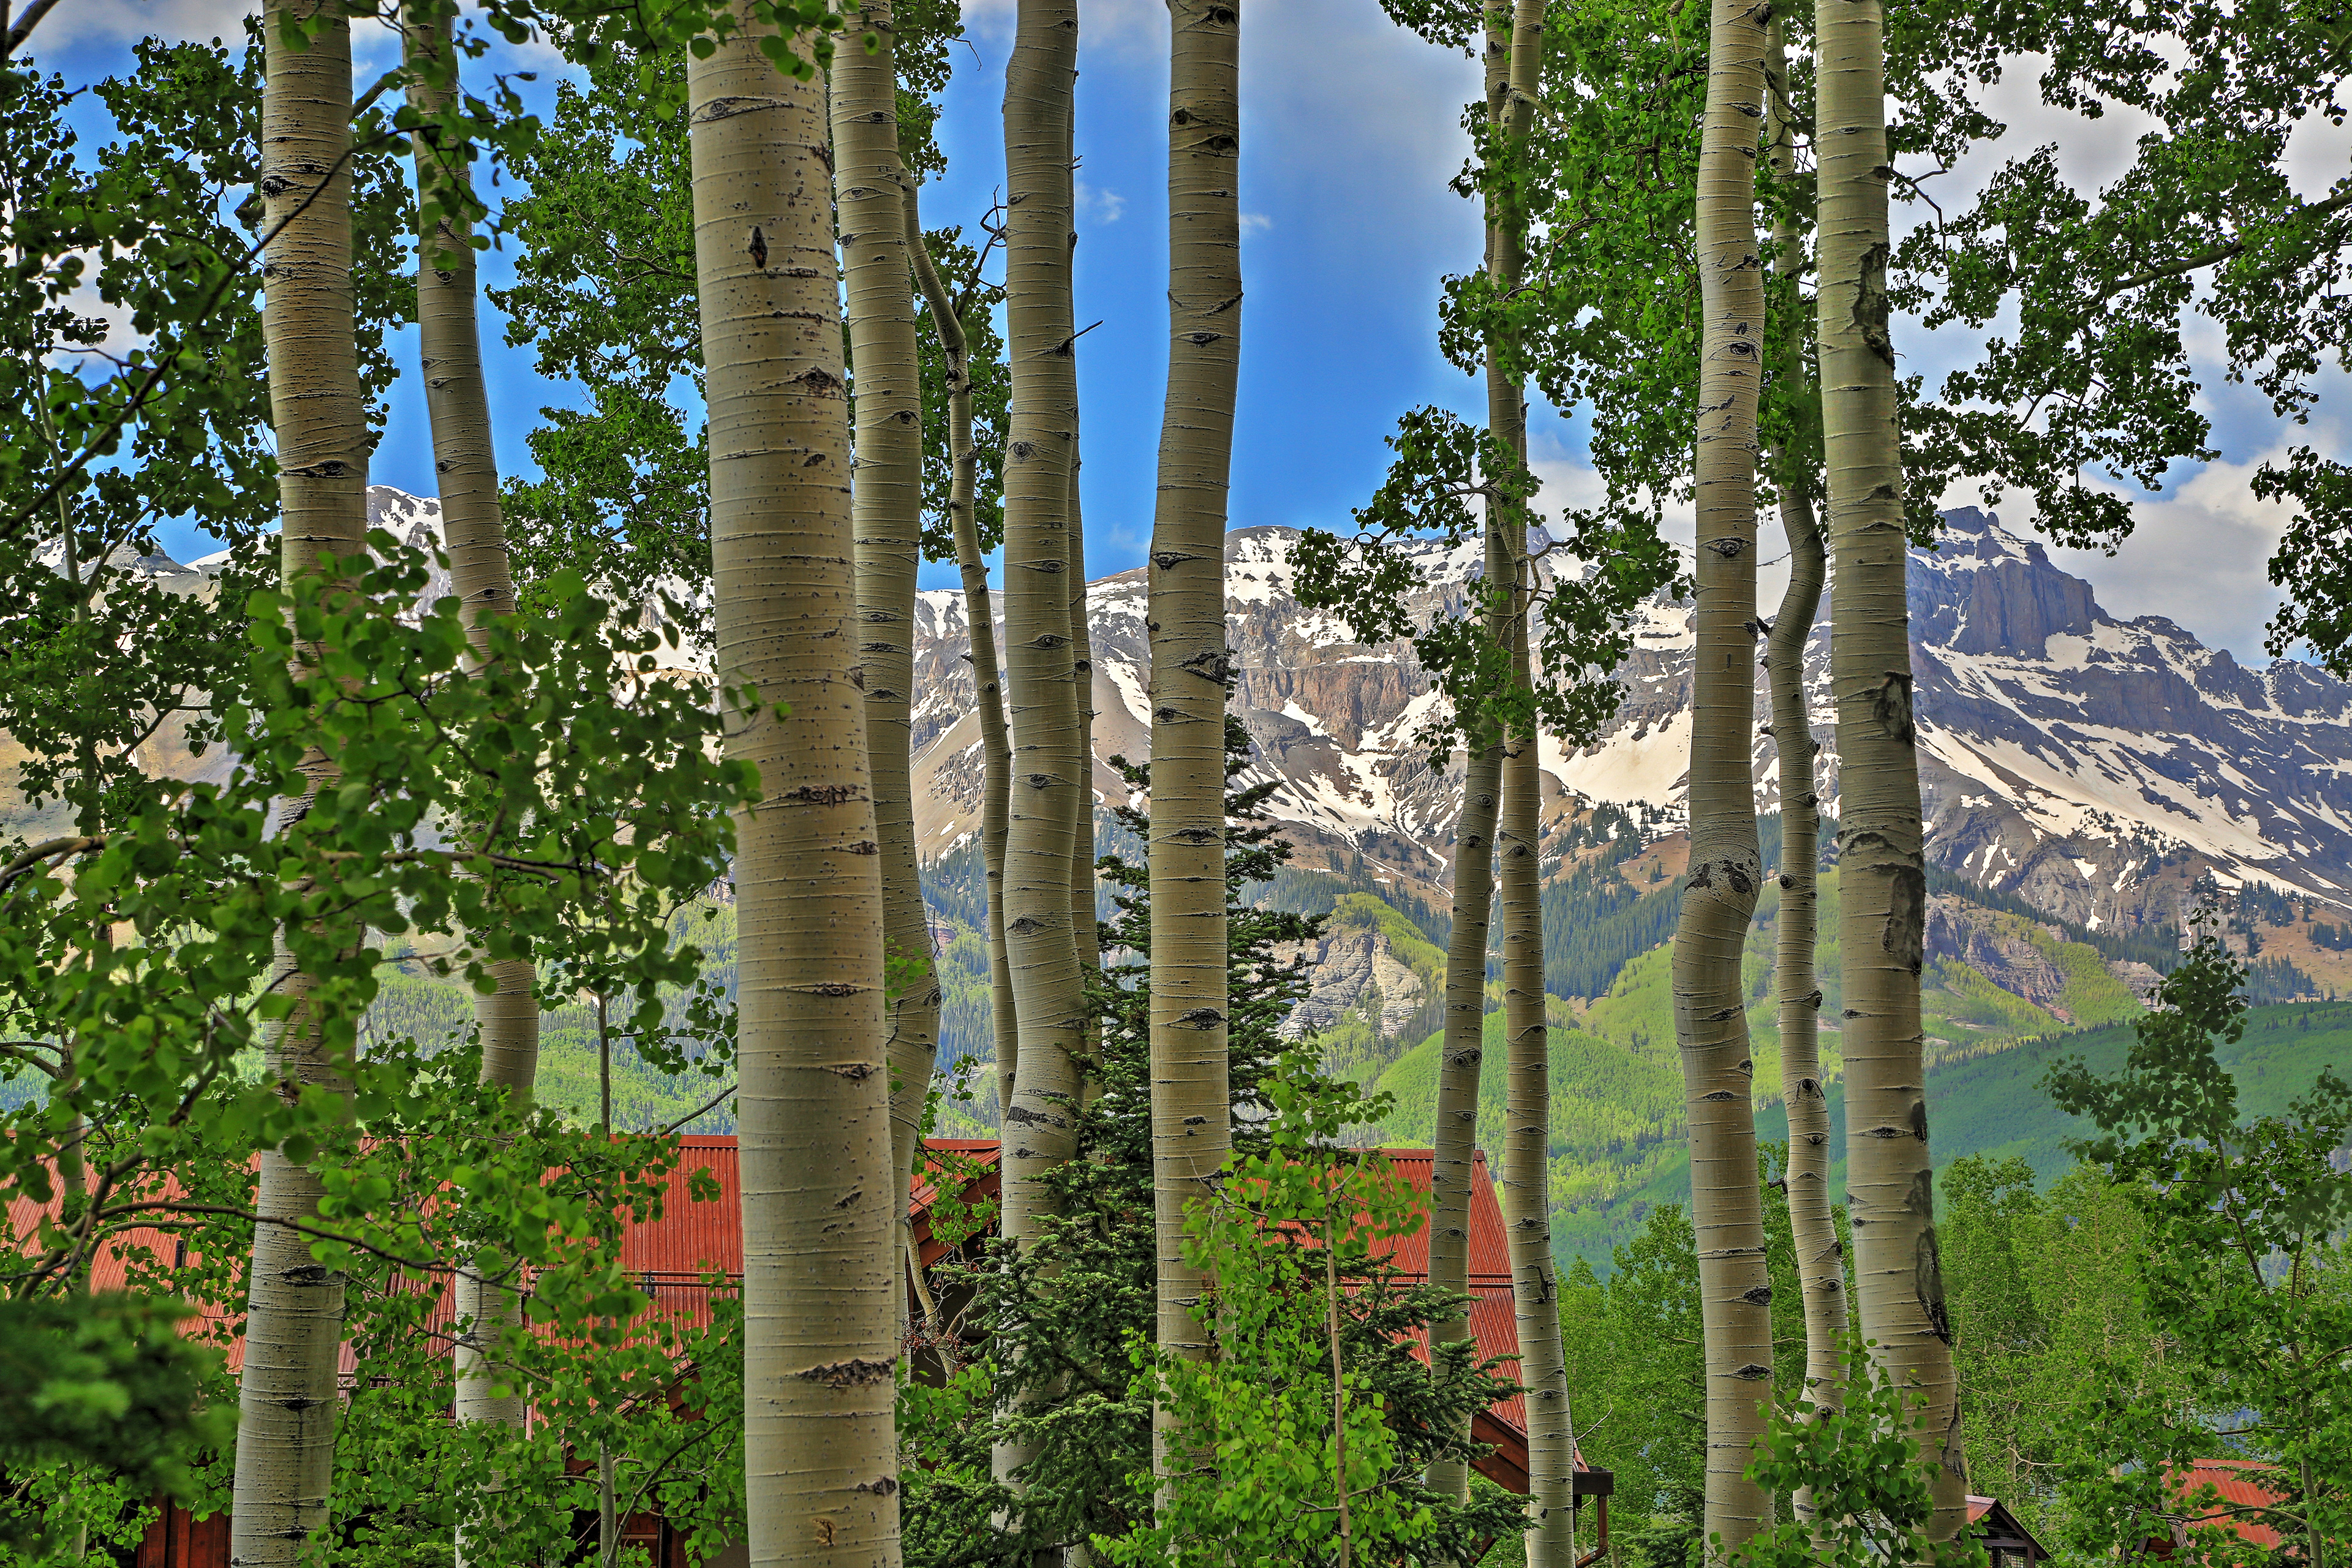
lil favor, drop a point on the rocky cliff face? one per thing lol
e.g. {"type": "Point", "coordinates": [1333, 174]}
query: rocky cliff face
{"type": "Point", "coordinates": [1349, 963]}
{"type": "Point", "coordinates": [2093, 765]}
{"type": "Point", "coordinates": [2003, 952]}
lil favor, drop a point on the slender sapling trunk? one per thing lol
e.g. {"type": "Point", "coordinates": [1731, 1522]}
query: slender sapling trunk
{"type": "Point", "coordinates": [1719, 894]}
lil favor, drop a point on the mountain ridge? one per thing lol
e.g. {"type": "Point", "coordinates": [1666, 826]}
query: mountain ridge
{"type": "Point", "coordinates": [2102, 769]}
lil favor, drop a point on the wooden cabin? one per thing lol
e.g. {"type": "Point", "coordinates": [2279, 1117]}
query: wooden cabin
{"type": "Point", "coordinates": [2006, 1541]}
{"type": "Point", "coordinates": [673, 1256]}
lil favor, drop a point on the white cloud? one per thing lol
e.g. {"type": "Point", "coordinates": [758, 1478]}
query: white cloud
{"type": "Point", "coordinates": [375, 43]}
{"type": "Point", "coordinates": [1098, 204]}
{"type": "Point", "coordinates": [121, 21]}
{"type": "Point", "coordinates": [1119, 27]}
{"type": "Point", "coordinates": [1256, 222]}
{"type": "Point", "coordinates": [2200, 555]}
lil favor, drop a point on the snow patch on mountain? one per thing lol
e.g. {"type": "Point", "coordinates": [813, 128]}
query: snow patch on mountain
{"type": "Point", "coordinates": [2093, 765]}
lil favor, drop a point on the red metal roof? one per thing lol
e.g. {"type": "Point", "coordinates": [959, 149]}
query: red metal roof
{"type": "Point", "coordinates": [2240, 1484]}
{"type": "Point", "coordinates": [693, 1240]}
{"type": "Point", "coordinates": [1494, 1321]}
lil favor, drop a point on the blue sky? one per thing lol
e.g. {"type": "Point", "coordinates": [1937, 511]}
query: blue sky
{"type": "Point", "coordinates": [1351, 130]}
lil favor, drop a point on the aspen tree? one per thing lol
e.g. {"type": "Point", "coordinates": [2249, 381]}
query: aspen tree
{"type": "Point", "coordinates": [870, 185]}
{"type": "Point", "coordinates": [1527, 1162]}
{"type": "Point", "coordinates": [1526, 1166]}
{"type": "Point", "coordinates": [1049, 1002]}
{"type": "Point", "coordinates": [473, 533]}
{"type": "Point", "coordinates": [1821, 1262]}
{"type": "Point", "coordinates": [1191, 1130]}
{"type": "Point", "coordinates": [1719, 892]}
{"type": "Point", "coordinates": [287, 1394]}
{"type": "Point", "coordinates": [1882, 873]}
{"type": "Point", "coordinates": [1453, 1143]}
{"type": "Point", "coordinates": [821, 1285]}
{"type": "Point", "coordinates": [979, 620]}
{"type": "Point", "coordinates": [1085, 933]}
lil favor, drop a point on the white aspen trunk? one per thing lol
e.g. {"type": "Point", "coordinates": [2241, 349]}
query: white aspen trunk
{"type": "Point", "coordinates": [287, 1395]}
{"type": "Point", "coordinates": [821, 1285]}
{"type": "Point", "coordinates": [1820, 1263]}
{"type": "Point", "coordinates": [1526, 1163]}
{"type": "Point", "coordinates": [1719, 894]}
{"type": "Point", "coordinates": [980, 618]}
{"type": "Point", "coordinates": [886, 511]}
{"type": "Point", "coordinates": [1191, 1098]}
{"type": "Point", "coordinates": [1453, 1143]}
{"type": "Point", "coordinates": [1882, 870]}
{"type": "Point", "coordinates": [1454, 1146]}
{"type": "Point", "coordinates": [1047, 779]}
{"type": "Point", "coordinates": [473, 535]}
{"type": "Point", "coordinates": [1084, 933]}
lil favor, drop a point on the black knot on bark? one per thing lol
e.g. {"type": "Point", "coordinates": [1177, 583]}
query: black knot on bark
{"type": "Point", "coordinates": [1201, 1018]}
{"type": "Point", "coordinates": [758, 249]}
{"type": "Point", "coordinates": [1752, 1371]}
{"type": "Point", "coordinates": [850, 1373]}
{"type": "Point", "coordinates": [1729, 549]}
{"type": "Point", "coordinates": [1761, 1296]}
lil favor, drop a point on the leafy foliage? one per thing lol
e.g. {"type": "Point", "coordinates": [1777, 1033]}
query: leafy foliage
{"type": "Point", "coordinates": [1872, 1490]}
{"type": "Point", "coordinates": [1313, 1431]}
{"type": "Point", "coordinates": [2243, 1269]}
{"type": "Point", "coordinates": [106, 1382]}
{"type": "Point", "coordinates": [573, 776]}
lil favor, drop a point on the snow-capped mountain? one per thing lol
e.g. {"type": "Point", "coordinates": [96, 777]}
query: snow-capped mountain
{"type": "Point", "coordinates": [2093, 765]}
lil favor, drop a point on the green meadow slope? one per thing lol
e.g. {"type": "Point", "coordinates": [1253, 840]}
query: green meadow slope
{"type": "Point", "coordinates": [1617, 1128]}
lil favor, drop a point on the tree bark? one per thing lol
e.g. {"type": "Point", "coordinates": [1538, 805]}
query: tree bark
{"type": "Point", "coordinates": [1719, 896]}
{"type": "Point", "coordinates": [979, 619]}
{"type": "Point", "coordinates": [821, 1285]}
{"type": "Point", "coordinates": [1882, 872]}
{"type": "Point", "coordinates": [1084, 933]}
{"type": "Point", "coordinates": [872, 189]}
{"type": "Point", "coordinates": [473, 533]}
{"type": "Point", "coordinates": [1047, 781]}
{"type": "Point", "coordinates": [1820, 1263]}
{"type": "Point", "coordinates": [287, 1394]}
{"type": "Point", "coordinates": [1526, 1166]}
{"type": "Point", "coordinates": [1191, 1116]}
{"type": "Point", "coordinates": [1454, 1144]}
